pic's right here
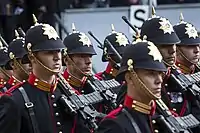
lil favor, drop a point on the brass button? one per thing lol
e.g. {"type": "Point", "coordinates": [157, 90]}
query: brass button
{"type": "Point", "coordinates": [54, 105]}
{"type": "Point", "coordinates": [156, 131]}
{"type": "Point", "coordinates": [57, 114]}
{"type": "Point", "coordinates": [153, 121]}
{"type": "Point", "coordinates": [52, 96]}
{"type": "Point", "coordinates": [58, 123]}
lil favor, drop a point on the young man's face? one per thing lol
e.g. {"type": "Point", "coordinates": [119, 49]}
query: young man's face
{"type": "Point", "coordinates": [51, 59]}
{"type": "Point", "coordinates": [192, 53]}
{"type": "Point", "coordinates": [27, 66]}
{"type": "Point", "coordinates": [23, 74]}
{"type": "Point", "coordinates": [152, 79]}
{"type": "Point", "coordinates": [82, 61]}
{"type": "Point", "coordinates": [169, 53]}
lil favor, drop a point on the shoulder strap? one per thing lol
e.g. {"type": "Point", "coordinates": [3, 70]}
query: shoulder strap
{"type": "Point", "coordinates": [133, 123]}
{"type": "Point", "coordinates": [29, 106]}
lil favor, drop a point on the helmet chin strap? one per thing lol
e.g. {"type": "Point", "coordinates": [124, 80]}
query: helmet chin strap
{"type": "Point", "coordinates": [182, 54]}
{"type": "Point", "coordinates": [112, 61]}
{"type": "Point", "coordinates": [20, 66]}
{"type": "Point", "coordinates": [167, 64]}
{"type": "Point", "coordinates": [75, 66]}
{"type": "Point", "coordinates": [140, 85]}
{"type": "Point", "coordinates": [4, 72]}
{"type": "Point", "coordinates": [44, 66]}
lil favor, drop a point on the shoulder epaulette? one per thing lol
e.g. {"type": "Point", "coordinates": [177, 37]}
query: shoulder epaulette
{"type": "Point", "coordinates": [10, 90]}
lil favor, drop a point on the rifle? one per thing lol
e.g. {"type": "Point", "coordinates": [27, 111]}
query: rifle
{"type": "Point", "coordinates": [186, 82]}
{"type": "Point", "coordinates": [174, 124]}
{"type": "Point", "coordinates": [105, 89]}
{"type": "Point", "coordinates": [79, 104]}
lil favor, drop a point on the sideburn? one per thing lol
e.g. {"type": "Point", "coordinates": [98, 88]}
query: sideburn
{"type": "Point", "coordinates": [72, 68]}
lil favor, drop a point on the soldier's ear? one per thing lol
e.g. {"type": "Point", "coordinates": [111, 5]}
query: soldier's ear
{"type": "Point", "coordinates": [65, 60]}
{"type": "Point", "coordinates": [178, 51]}
{"type": "Point", "coordinates": [31, 58]}
{"type": "Point", "coordinates": [128, 77]}
{"type": "Point", "coordinates": [68, 60]}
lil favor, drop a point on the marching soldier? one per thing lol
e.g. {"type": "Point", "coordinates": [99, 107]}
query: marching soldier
{"type": "Point", "coordinates": [4, 74]}
{"type": "Point", "coordinates": [188, 51]}
{"type": "Point", "coordinates": [142, 68]}
{"type": "Point", "coordinates": [37, 99]}
{"type": "Point", "coordinates": [166, 39]}
{"type": "Point", "coordinates": [16, 63]}
{"type": "Point", "coordinates": [163, 37]}
{"type": "Point", "coordinates": [188, 54]}
{"type": "Point", "coordinates": [78, 60]}
{"type": "Point", "coordinates": [119, 42]}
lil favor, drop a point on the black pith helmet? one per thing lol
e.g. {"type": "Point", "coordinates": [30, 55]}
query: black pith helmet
{"type": "Point", "coordinates": [119, 42]}
{"type": "Point", "coordinates": [16, 50]}
{"type": "Point", "coordinates": [78, 43]}
{"type": "Point", "coordinates": [143, 55]}
{"type": "Point", "coordinates": [42, 37]}
{"type": "Point", "coordinates": [159, 30]}
{"type": "Point", "coordinates": [186, 32]}
{"type": "Point", "coordinates": [4, 57]}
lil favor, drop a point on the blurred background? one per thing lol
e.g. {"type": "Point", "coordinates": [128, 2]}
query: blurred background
{"type": "Point", "coordinates": [92, 15]}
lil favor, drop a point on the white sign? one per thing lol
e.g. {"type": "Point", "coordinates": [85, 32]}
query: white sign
{"type": "Point", "coordinates": [138, 14]}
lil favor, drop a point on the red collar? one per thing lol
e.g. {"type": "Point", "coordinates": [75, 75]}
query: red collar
{"type": "Point", "coordinates": [2, 82]}
{"type": "Point", "coordinates": [140, 107]}
{"type": "Point", "coordinates": [185, 69]}
{"type": "Point", "coordinates": [33, 80]}
{"type": "Point", "coordinates": [111, 70]}
{"type": "Point", "coordinates": [72, 80]}
{"type": "Point", "coordinates": [13, 81]}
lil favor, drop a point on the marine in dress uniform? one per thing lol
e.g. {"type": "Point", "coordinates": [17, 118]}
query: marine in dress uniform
{"type": "Point", "coordinates": [166, 39]}
{"type": "Point", "coordinates": [20, 67]}
{"type": "Point", "coordinates": [135, 114]}
{"type": "Point", "coordinates": [119, 42]}
{"type": "Point", "coordinates": [37, 99]}
{"type": "Point", "coordinates": [4, 74]}
{"type": "Point", "coordinates": [78, 60]}
{"type": "Point", "coordinates": [188, 54]}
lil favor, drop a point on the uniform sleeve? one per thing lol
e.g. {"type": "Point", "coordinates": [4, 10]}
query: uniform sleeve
{"type": "Point", "coordinates": [110, 126]}
{"type": "Point", "coordinates": [9, 115]}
